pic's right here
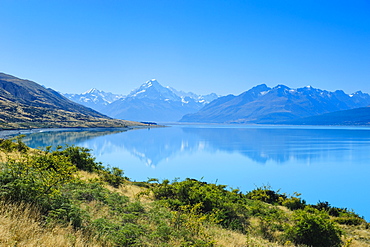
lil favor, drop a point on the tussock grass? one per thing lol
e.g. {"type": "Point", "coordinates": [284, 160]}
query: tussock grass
{"type": "Point", "coordinates": [357, 236]}
{"type": "Point", "coordinates": [224, 238]}
{"type": "Point", "coordinates": [20, 226]}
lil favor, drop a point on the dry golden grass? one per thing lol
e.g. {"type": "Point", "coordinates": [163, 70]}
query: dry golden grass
{"type": "Point", "coordinates": [84, 175]}
{"type": "Point", "coordinates": [225, 238]}
{"type": "Point", "coordinates": [356, 236]}
{"type": "Point", "coordinates": [19, 226]}
{"type": "Point", "coordinates": [135, 192]}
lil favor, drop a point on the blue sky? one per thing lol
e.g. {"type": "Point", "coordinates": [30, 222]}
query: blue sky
{"type": "Point", "coordinates": [221, 46]}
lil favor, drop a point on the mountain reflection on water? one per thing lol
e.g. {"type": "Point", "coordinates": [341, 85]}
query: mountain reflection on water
{"type": "Point", "coordinates": [280, 144]}
{"type": "Point", "coordinates": [260, 144]}
{"type": "Point", "coordinates": [42, 139]}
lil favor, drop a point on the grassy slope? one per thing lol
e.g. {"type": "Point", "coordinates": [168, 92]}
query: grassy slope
{"type": "Point", "coordinates": [19, 116]}
{"type": "Point", "coordinates": [134, 212]}
{"type": "Point", "coordinates": [25, 104]}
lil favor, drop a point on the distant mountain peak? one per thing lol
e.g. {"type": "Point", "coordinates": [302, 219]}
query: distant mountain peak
{"type": "Point", "coordinates": [152, 83]}
{"type": "Point", "coordinates": [92, 90]}
{"type": "Point", "coordinates": [358, 93]}
{"type": "Point", "coordinates": [260, 89]}
{"type": "Point", "coordinates": [281, 86]}
{"type": "Point", "coordinates": [149, 102]}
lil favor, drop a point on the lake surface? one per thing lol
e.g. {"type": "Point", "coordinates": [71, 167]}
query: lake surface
{"type": "Point", "coordinates": [322, 163]}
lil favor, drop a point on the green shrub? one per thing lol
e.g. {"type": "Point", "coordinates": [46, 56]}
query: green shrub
{"type": "Point", "coordinates": [80, 157]}
{"type": "Point", "coordinates": [35, 179]}
{"type": "Point", "coordinates": [113, 176]}
{"type": "Point", "coordinates": [294, 203]}
{"type": "Point", "coordinates": [218, 204]}
{"type": "Point", "coordinates": [184, 227]}
{"type": "Point", "coordinates": [7, 145]}
{"type": "Point", "coordinates": [266, 194]}
{"type": "Point", "coordinates": [117, 234]}
{"type": "Point", "coordinates": [355, 221]}
{"type": "Point", "coordinates": [313, 228]}
{"type": "Point", "coordinates": [68, 214]}
{"type": "Point", "coordinates": [14, 144]}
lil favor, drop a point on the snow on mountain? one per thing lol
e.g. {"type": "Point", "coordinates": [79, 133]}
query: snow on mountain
{"type": "Point", "coordinates": [149, 102]}
{"type": "Point", "coordinates": [153, 90]}
{"type": "Point", "coordinates": [154, 102]}
{"type": "Point", "coordinates": [203, 99]}
{"type": "Point", "coordinates": [94, 98]}
{"type": "Point", "coordinates": [262, 104]}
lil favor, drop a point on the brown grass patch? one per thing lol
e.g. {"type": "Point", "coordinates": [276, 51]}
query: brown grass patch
{"type": "Point", "coordinates": [19, 226]}
{"type": "Point", "coordinates": [225, 238]}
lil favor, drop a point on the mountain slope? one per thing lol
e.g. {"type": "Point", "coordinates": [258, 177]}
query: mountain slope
{"type": "Point", "coordinates": [32, 94]}
{"type": "Point", "coordinates": [358, 116]}
{"type": "Point", "coordinates": [262, 104]}
{"type": "Point", "coordinates": [26, 104]}
{"type": "Point", "coordinates": [154, 102]}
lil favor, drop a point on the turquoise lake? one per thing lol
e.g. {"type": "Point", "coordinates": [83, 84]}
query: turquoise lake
{"type": "Point", "coordinates": [322, 163]}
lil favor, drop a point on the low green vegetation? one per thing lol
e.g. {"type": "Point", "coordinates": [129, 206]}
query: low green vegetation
{"type": "Point", "coordinates": [70, 189]}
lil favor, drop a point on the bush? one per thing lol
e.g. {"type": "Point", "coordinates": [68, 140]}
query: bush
{"type": "Point", "coordinates": [14, 144]}
{"type": "Point", "coordinates": [294, 203]}
{"type": "Point", "coordinates": [113, 176]}
{"type": "Point", "coordinates": [35, 179]}
{"type": "Point", "coordinates": [80, 157]}
{"type": "Point", "coordinates": [266, 194]}
{"type": "Point", "coordinates": [313, 228]}
{"type": "Point", "coordinates": [354, 221]}
{"type": "Point", "coordinates": [218, 204]}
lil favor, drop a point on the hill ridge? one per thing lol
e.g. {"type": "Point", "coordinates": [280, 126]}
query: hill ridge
{"type": "Point", "coordinates": [26, 104]}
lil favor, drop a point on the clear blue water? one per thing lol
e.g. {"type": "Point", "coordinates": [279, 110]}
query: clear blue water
{"type": "Point", "coordinates": [322, 163]}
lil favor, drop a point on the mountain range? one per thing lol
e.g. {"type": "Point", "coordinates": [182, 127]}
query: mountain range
{"type": "Point", "coordinates": [94, 98]}
{"type": "Point", "coordinates": [26, 104]}
{"type": "Point", "coordinates": [150, 102]}
{"type": "Point", "coordinates": [281, 104]}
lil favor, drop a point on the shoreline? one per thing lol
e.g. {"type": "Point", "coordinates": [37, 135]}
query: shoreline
{"type": "Point", "coordinates": [4, 134]}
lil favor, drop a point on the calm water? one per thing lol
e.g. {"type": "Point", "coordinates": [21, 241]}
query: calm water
{"type": "Point", "coordinates": [323, 163]}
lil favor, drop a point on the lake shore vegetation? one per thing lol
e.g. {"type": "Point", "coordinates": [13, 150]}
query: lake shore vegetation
{"type": "Point", "coordinates": [61, 196]}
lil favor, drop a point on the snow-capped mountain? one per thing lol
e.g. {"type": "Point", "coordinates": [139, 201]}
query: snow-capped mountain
{"type": "Point", "coordinates": [154, 102]}
{"type": "Point", "coordinates": [203, 99]}
{"type": "Point", "coordinates": [153, 89]}
{"type": "Point", "coordinates": [263, 104]}
{"type": "Point", "coordinates": [94, 98]}
{"type": "Point", "coordinates": [150, 102]}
